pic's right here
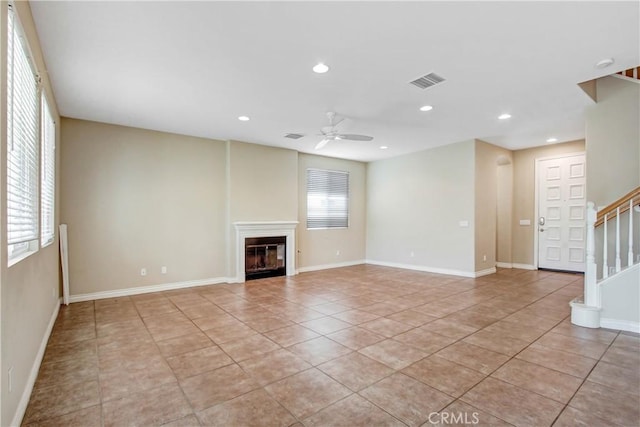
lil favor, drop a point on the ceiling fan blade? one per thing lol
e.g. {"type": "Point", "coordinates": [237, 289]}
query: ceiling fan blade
{"type": "Point", "coordinates": [354, 137]}
{"type": "Point", "coordinates": [322, 143]}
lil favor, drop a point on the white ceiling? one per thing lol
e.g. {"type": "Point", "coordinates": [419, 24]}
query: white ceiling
{"type": "Point", "coordinates": [194, 67]}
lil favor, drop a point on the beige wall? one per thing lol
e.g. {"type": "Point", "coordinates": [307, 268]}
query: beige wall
{"type": "Point", "coordinates": [613, 138]}
{"type": "Point", "coordinates": [486, 202]}
{"type": "Point", "coordinates": [136, 199]}
{"type": "Point", "coordinates": [415, 203]}
{"type": "Point", "coordinates": [320, 247]}
{"type": "Point", "coordinates": [125, 190]}
{"type": "Point", "coordinates": [264, 182]}
{"type": "Point", "coordinates": [28, 289]}
{"type": "Point", "coordinates": [524, 195]}
{"type": "Point", "coordinates": [613, 141]}
{"type": "Point", "coordinates": [504, 219]}
{"type": "Point", "coordinates": [263, 186]}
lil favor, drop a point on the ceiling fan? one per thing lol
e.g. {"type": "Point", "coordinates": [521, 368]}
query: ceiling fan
{"type": "Point", "coordinates": [331, 133]}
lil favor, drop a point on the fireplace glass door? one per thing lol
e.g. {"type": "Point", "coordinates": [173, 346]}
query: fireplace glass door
{"type": "Point", "coordinates": [265, 257]}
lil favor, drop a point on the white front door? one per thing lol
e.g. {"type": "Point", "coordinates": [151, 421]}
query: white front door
{"type": "Point", "coordinates": [561, 213]}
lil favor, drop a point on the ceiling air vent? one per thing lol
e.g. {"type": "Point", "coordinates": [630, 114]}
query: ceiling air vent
{"type": "Point", "coordinates": [294, 135]}
{"type": "Point", "coordinates": [429, 80]}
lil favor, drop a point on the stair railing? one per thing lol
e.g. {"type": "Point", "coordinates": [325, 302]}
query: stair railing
{"type": "Point", "coordinates": [632, 73]}
{"type": "Point", "coordinates": [601, 218]}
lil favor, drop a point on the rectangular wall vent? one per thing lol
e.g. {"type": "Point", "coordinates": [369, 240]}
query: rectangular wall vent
{"type": "Point", "coordinates": [294, 135]}
{"type": "Point", "coordinates": [429, 80]}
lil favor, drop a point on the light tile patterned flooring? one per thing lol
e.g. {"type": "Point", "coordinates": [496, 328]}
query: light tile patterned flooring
{"type": "Point", "coordinates": [357, 346]}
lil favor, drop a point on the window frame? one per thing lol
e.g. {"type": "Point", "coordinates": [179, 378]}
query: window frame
{"type": "Point", "coordinates": [47, 173]}
{"type": "Point", "coordinates": [331, 177]}
{"type": "Point", "coordinates": [23, 188]}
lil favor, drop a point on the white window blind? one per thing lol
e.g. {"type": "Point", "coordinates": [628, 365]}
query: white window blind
{"type": "Point", "coordinates": [47, 174]}
{"type": "Point", "coordinates": [327, 199]}
{"type": "Point", "coordinates": [22, 142]}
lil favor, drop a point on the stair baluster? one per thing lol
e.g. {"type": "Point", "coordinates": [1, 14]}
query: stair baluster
{"type": "Point", "coordinates": [605, 266]}
{"type": "Point", "coordinates": [630, 253]}
{"type": "Point", "coordinates": [618, 261]}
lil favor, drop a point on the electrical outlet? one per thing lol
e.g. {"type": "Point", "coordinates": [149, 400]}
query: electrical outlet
{"type": "Point", "coordinates": [163, 270]}
{"type": "Point", "coordinates": [143, 272]}
{"type": "Point", "coordinates": [338, 253]}
{"type": "Point", "coordinates": [484, 257]}
{"type": "Point", "coordinates": [412, 254]}
{"type": "Point", "coordinates": [10, 379]}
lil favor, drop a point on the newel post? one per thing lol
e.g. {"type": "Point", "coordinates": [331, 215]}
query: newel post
{"type": "Point", "coordinates": [590, 274]}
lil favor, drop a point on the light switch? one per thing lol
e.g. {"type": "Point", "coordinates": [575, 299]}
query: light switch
{"type": "Point", "coordinates": [464, 223]}
{"type": "Point", "coordinates": [525, 222]}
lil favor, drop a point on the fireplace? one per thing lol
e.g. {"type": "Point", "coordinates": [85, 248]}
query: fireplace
{"type": "Point", "coordinates": [264, 257]}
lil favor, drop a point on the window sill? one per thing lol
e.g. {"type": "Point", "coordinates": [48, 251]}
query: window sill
{"type": "Point", "coordinates": [13, 261]}
{"type": "Point", "coordinates": [328, 228]}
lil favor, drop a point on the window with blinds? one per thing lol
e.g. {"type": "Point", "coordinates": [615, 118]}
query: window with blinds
{"type": "Point", "coordinates": [327, 199]}
{"type": "Point", "coordinates": [47, 174]}
{"type": "Point", "coordinates": [22, 144]}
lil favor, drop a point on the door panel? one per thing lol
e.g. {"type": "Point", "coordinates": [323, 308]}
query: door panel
{"type": "Point", "coordinates": [561, 213]}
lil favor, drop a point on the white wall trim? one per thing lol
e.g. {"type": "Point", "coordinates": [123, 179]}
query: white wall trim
{"type": "Point", "coordinates": [329, 266]}
{"type": "Point", "coordinates": [515, 265]}
{"type": "Point", "coordinates": [35, 368]}
{"type": "Point", "coordinates": [524, 266]}
{"type": "Point", "coordinates": [485, 272]}
{"type": "Point", "coordinates": [147, 289]}
{"type": "Point", "coordinates": [249, 229]}
{"type": "Point", "coordinates": [423, 268]}
{"type": "Point", "coordinates": [624, 325]}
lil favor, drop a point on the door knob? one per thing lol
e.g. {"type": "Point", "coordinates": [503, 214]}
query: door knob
{"type": "Point", "coordinates": [541, 220]}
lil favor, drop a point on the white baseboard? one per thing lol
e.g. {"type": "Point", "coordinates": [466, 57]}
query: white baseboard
{"type": "Point", "coordinates": [485, 272]}
{"type": "Point", "coordinates": [623, 325]}
{"type": "Point", "coordinates": [504, 265]}
{"type": "Point", "coordinates": [148, 289]}
{"type": "Point", "coordinates": [329, 266]}
{"type": "Point", "coordinates": [516, 265]}
{"type": "Point", "coordinates": [524, 266]}
{"type": "Point", "coordinates": [424, 268]}
{"type": "Point", "coordinates": [35, 368]}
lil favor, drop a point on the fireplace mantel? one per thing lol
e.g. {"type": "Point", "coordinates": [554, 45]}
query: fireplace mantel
{"type": "Point", "coordinates": [248, 229]}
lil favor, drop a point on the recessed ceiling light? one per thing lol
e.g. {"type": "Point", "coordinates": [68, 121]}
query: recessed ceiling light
{"type": "Point", "coordinates": [552, 140]}
{"type": "Point", "coordinates": [426, 108]}
{"type": "Point", "coordinates": [320, 68]}
{"type": "Point", "coordinates": [383, 147]}
{"type": "Point", "coordinates": [604, 63]}
{"type": "Point", "coordinates": [504, 116]}
{"type": "Point", "coordinates": [243, 118]}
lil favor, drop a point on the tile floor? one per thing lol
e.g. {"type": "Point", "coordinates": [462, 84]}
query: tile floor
{"type": "Point", "coordinates": [357, 346]}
